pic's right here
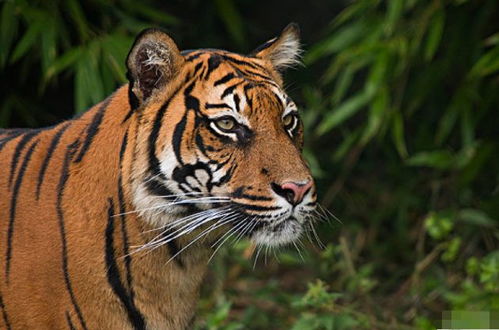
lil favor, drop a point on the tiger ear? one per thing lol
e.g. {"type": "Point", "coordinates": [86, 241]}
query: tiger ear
{"type": "Point", "coordinates": [283, 51]}
{"type": "Point", "coordinates": [153, 61]}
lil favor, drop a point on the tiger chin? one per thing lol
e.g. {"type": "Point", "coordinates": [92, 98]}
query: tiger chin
{"type": "Point", "coordinates": [108, 220]}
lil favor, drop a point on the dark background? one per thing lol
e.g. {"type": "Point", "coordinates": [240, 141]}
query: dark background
{"type": "Point", "coordinates": [400, 102]}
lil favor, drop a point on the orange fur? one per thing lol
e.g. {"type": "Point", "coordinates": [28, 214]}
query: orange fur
{"type": "Point", "coordinates": [69, 195]}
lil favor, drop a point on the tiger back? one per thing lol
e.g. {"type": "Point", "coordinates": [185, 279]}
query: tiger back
{"type": "Point", "coordinates": [108, 220]}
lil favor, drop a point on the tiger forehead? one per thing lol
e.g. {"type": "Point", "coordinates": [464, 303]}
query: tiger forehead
{"type": "Point", "coordinates": [212, 65]}
{"type": "Point", "coordinates": [238, 83]}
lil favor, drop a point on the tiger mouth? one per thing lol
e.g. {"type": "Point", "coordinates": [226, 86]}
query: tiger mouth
{"type": "Point", "coordinates": [276, 234]}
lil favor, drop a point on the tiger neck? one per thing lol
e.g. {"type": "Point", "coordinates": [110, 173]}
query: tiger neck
{"type": "Point", "coordinates": [161, 284]}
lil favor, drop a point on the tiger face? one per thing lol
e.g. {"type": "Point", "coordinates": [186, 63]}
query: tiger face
{"type": "Point", "coordinates": [222, 140]}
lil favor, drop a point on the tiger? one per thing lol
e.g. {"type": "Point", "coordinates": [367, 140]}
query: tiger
{"type": "Point", "coordinates": [109, 219]}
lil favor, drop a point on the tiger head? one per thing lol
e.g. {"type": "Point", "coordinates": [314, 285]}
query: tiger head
{"type": "Point", "coordinates": [219, 141]}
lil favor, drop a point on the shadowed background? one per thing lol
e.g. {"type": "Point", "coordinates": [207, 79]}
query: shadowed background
{"type": "Point", "coordinates": [401, 107]}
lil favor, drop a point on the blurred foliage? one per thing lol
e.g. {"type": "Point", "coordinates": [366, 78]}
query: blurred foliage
{"type": "Point", "coordinates": [400, 104]}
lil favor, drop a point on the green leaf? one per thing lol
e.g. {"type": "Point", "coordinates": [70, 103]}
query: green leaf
{"type": "Point", "coordinates": [398, 135]}
{"type": "Point", "coordinates": [342, 84]}
{"type": "Point", "coordinates": [8, 29]}
{"type": "Point", "coordinates": [476, 217]}
{"type": "Point", "coordinates": [344, 111]}
{"type": "Point", "coordinates": [49, 47]}
{"type": "Point", "coordinates": [395, 10]}
{"type": "Point", "coordinates": [88, 82]}
{"type": "Point", "coordinates": [233, 21]}
{"type": "Point", "coordinates": [63, 62]}
{"type": "Point", "coordinates": [377, 110]}
{"type": "Point", "coordinates": [440, 159]}
{"type": "Point", "coordinates": [151, 13]}
{"type": "Point", "coordinates": [29, 40]}
{"type": "Point", "coordinates": [486, 64]}
{"type": "Point", "coordinates": [434, 35]}
{"type": "Point", "coordinates": [339, 40]}
{"type": "Point", "coordinates": [377, 73]}
{"type": "Point", "coordinates": [78, 18]}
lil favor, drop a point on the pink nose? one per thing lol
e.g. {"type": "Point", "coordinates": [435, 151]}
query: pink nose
{"type": "Point", "coordinates": [293, 192]}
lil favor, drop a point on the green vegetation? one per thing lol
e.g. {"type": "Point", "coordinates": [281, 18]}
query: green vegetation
{"type": "Point", "coordinates": [400, 100]}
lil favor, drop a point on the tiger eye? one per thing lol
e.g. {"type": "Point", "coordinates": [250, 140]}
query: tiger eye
{"type": "Point", "coordinates": [226, 123]}
{"type": "Point", "coordinates": [288, 120]}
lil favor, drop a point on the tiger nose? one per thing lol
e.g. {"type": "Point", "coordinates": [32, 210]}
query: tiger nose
{"type": "Point", "coordinates": [293, 192]}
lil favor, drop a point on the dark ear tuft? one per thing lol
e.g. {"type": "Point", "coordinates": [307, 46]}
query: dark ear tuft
{"type": "Point", "coordinates": [153, 61]}
{"type": "Point", "coordinates": [283, 51]}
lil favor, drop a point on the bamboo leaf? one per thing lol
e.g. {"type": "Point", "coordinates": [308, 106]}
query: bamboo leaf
{"type": "Point", "coordinates": [399, 135]}
{"type": "Point", "coordinates": [377, 110]}
{"type": "Point", "coordinates": [486, 64]}
{"type": "Point", "coordinates": [233, 21]}
{"type": "Point", "coordinates": [395, 10]}
{"type": "Point", "coordinates": [434, 35]}
{"type": "Point", "coordinates": [63, 62]}
{"type": "Point", "coordinates": [476, 217]}
{"type": "Point", "coordinates": [8, 29]}
{"type": "Point", "coordinates": [440, 159]}
{"type": "Point", "coordinates": [28, 40]}
{"type": "Point", "coordinates": [344, 111]}
{"type": "Point", "coordinates": [338, 41]}
{"type": "Point", "coordinates": [79, 19]}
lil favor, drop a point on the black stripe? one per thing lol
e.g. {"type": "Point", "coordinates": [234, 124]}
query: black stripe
{"type": "Point", "coordinates": [13, 204]}
{"type": "Point", "coordinates": [213, 62]}
{"type": "Point", "coordinates": [262, 47]}
{"type": "Point", "coordinates": [17, 153]}
{"type": "Point", "coordinates": [246, 88]}
{"type": "Point", "coordinates": [5, 140]}
{"type": "Point", "coordinates": [154, 187]}
{"type": "Point", "coordinates": [60, 215]}
{"type": "Point", "coordinates": [224, 79]}
{"type": "Point", "coordinates": [226, 177]}
{"type": "Point", "coordinates": [191, 102]}
{"type": "Point", "coordinates": [4, 314]}
{"type": "Point", "coordinates": [191, 57]}
{"type": "Point", "coordinates": [154, 167]}
{"type": "Point", "coordinates": [237, 102]}
{"type": "Point", "coordinates": [200, 144]}
{"type": "Point", "coordinates": [113, 275]}
{"type": "Point", "coordinates": [230, 89]}
{"type": "Point", "coordinates": [257, 207]}
{"type": "Point", "coordinates": [239, 193]}
{"type": "Point", "coordinates": [129, 113]}
{"type": "Point", "coordinates": [216, 106]}
{"type": "Point", "coordinates": [48, 156]}
{"type": "Point", "coordinates": [244, 63]}
{"type": "Point", "coordinates": [70, 323]}
{"type": "Point", "coordinates": [93, 129]}
{"type": "Point", "coordinates": [177, 137]}
{"type": "Point", "coordinates": [124, 144]}
{"type": "Point", "coordinates": [126, 250]}
{"type": "Point", "coordinates": [173, 248]}
{"type": "Point", "coordinates": [256, 74]}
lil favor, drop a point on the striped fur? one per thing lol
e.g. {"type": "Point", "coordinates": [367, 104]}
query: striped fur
{"type": "Point", "coordinates": [77, 199]}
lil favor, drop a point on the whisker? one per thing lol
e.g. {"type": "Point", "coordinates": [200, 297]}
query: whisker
{"type": "Point", "coordinates": [230, 232]}
{"type": "Point", "coordinates": [204, 233]}
{"type": "Point", "coordinates": [256, 257]}
{"type": "Point", "coordinates": [200, 200]}
{"type": "Point", "coordinates": [319, 242]}
{"type": "Point", "coordinates": [187, 228]}
{"type": "Point", "coordinates": [328, 213]}
{"type": "Point", "coordinates": [299, 252]}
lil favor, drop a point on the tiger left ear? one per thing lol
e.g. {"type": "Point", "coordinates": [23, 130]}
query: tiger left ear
{"type": "Point", "coordinates": [152, 63]}
{"type": "Point", "coordinates": [283, 51]}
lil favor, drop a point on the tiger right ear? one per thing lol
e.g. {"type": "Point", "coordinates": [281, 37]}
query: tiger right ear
{"type": "Point", "coordinates": [153, 61]}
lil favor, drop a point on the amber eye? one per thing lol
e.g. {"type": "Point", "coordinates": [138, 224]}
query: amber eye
{"type": "Point", "coordinates": [289, 121]}
{"type": "Point", "coordinates": [225, 123]}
